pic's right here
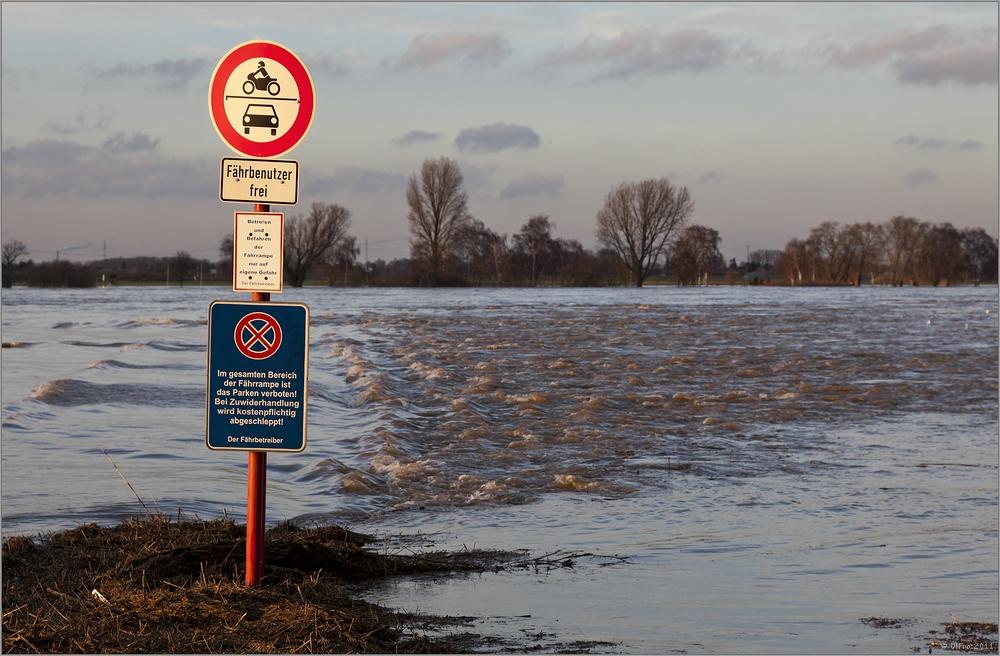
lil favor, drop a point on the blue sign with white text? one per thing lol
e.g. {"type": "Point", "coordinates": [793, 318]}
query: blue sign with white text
{"type": "Point", "coordinates": [258, 356]}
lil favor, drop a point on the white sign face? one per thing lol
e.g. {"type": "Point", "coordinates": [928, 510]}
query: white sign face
{"type": "Point", "coordinates": [257, 251]}
{"type": "Point", "coordinates": [265, 181]}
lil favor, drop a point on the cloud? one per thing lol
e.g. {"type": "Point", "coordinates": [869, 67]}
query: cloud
{"type": "Point", "coordinates": [86, 121]}
{"type": "Point", "coordinates": [534, 184]}
{"type": "Point", "coordinates": [712, 177]}
{"type": "Point", "coordinates": [324, 65]}
{"type": "Point", "coordinates": [18, 77]}
{"type": "Point", "coordinates": [936, 143]}
{"type": "Point", "coordinates": [122, 166]}
{"type": "Point", "coordinates": [136, 143]}
{"type": "Point", "coordinates": [970, 65]}
{"type": "Point", "coordinates": [647, 51]}
{"type": "Point", "coordinates": [868, 53]}
{"type": "Point", "coordinates": [932, 56]}
{"type": "Point", "coordinates": [480, 50]}
{"type": "Point", "coordinates": [350, 178]}
{"type": "Point", "coordinates": [920, 177]}
{"type": "Point", "coordinates": [169, 74]}
{"type": "Point", "coordinates": [497, 137]}
{"type": "Point", "coordinates": [417, 136]}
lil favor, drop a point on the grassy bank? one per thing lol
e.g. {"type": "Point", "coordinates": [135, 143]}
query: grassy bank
{"type": "Point", "coordinates": [159, 586]}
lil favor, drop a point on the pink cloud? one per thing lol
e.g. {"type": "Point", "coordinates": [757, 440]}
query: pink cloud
{"type": "Point", "coordinates": [427, 50]}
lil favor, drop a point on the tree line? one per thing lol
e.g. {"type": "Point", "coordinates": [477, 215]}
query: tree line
{"type": "Point", "coordinates": [643, 229]}
{"type": "Point", "coordinates": [178, 269]}
{"type": "Point", "coordinates": [900, 251]}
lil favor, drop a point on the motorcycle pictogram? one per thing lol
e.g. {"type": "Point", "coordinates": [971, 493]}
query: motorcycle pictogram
{"type": "Point", "coordinates": [261, 81]}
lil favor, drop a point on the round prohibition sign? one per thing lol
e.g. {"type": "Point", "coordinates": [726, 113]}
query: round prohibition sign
{"type": "Point", "coordinates": [266, 120]}
{"type": "Point", "coordinates": [258, 336]}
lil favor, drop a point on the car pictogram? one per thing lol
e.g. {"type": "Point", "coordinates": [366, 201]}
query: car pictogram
{"type": "Point", "coordinates": [260, 116]}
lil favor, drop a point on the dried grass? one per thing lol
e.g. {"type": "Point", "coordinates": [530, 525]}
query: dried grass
{"type": "Point", "coordinates": [158, 586]}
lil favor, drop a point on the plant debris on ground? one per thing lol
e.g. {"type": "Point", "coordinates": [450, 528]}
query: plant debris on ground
{"type": "Point", "coordinates": [968, 637]}
{"type": "Point", "coordinates": [159, 586]}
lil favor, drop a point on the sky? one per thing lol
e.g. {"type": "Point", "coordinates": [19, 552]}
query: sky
{"type": "Point", "coordinates": [775, 116]}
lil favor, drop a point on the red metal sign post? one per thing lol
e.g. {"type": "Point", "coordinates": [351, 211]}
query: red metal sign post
{"type": "Point", "coordinates": [256, 487]}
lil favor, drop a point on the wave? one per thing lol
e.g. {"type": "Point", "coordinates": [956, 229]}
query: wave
{"type": "Point", "coordinates": [69, 392]}
{"type": "Point", "coordinates": [176, 346]}
{"type": "Point", "coordinates": [164, 321]}
{"type": "Point", "coordinates": [118, 364]}
{"type": "Point", "coordinates": [128, 346]}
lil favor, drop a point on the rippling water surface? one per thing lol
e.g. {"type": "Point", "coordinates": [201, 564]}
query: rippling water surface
{"type": "Point", "coordinates": [752, 469]}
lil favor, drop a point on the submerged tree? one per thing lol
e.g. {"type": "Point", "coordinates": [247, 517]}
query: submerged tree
{"type": "Point", "coordinates": [438, 208]}
{"type": "Point", "coordinates": [310, 241]}
{"type": "Point", "coordinates": [638, 221]}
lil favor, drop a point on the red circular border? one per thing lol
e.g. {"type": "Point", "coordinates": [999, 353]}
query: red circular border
{"type": "Point", "coordinates": [217, 93]}
{"type": "Point", "coordinates": [244, 322]}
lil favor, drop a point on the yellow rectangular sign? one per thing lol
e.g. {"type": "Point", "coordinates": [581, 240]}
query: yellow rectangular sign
{"type": "Point", "coordinates": [263, 181]}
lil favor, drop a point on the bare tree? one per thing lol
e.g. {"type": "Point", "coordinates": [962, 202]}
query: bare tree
{"type": "Point", "coordinates": [182, 263]}
{"type": "Point", "coordinates": [794, 262]}
{"type": "Point", "coordinates": [340, 259]}
{"type": "Point", "coordinates": [979, 255]}
{"type": "Point", "coordinates": [835, 248]}
{"type": "Point", "coordinates": [638, 221]}
{"type": "Point", "coordinates": [310, 241]}
{"type": "Point", "coordinates": [535, 243]}
{"type": "Point", "coordinates": [940, 254]}
{"type": "Point", "coordinates": [226, 254]}
{"type": "Point", "coordinates": [696, 255]}
{"type": "Point", "coordinates": [438, 207]}
{"type": "Point", "coordinates": [13, 250]}
{"type": "Point", "coordinates": [903, 237]}
{"type": "Point", "coordinates": [765, 257]}
{"type": "Point", "coordinates": [481, 253]}
{"type": "Point", "coordinates": [866, 239]}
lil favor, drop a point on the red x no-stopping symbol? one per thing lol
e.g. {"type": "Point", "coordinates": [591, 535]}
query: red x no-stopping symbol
{"type": "Point", "coordinates": [258, 335]}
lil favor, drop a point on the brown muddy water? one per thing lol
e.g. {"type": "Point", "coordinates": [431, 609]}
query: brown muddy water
{"type": "Point", "coordinates": [720, 470]}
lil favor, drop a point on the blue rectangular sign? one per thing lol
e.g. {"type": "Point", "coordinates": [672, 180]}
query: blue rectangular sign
{"type": "Point", "coordinates": [258, 356]}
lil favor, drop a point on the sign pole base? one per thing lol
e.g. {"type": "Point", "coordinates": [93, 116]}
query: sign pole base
{"type": "Point", "coordinates": [256, 491]}
{"type": "Point", "coordinates": [256, 488]}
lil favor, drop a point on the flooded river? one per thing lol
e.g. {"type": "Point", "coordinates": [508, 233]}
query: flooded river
{"type": "Point", "coordinates": [730, 469]}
